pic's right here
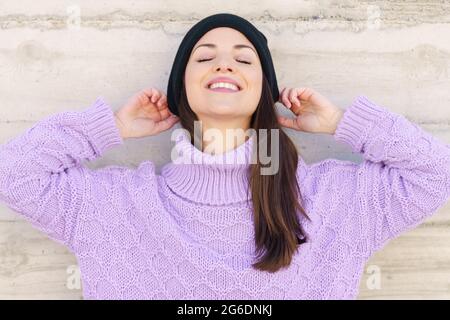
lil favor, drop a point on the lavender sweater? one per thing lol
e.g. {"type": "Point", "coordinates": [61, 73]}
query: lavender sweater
{"type": "Point", "coordinates": [187, 233]}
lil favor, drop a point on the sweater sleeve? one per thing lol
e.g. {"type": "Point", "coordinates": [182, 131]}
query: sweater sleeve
{"type": "Point", "coordinates": [41, 175]}
{"type": "Point", "coordinates": [403, 179]}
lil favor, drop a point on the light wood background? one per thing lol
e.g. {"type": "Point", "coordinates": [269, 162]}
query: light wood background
{"type": "Point", "coordinates": [397, 53]}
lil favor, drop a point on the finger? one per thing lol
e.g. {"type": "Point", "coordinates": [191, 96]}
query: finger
{"type": "Point", "coordinates": [148, 92]}
{"type": "Point", "coordinates": [288, 122]}
{"type": "Point", "coordinates": [281, 95]}
{"type": "Point", "coordinates": [308, 94]}
{"type": "Point", "coordinates": [293, 97]}
{"type": "Point", "coordinates": [285, 99]}
{"type": "Point", "coordinates": [143, 98]}
{"type": "Point", "coordinates": [155, 96]}
{"type": "Point", "coordinates": [162, 102]}
{"type": "Point", "coordinates": [166, 123]}
{"type": "Point", "coordinates": [296, 105]}
{"type": "Point", "coordinates": [152, 93]}
{"type": "Point", "coordinates": [164, 112]}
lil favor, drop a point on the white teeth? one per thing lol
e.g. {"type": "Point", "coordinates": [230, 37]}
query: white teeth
{"type": "Point", "coordinates": [224, 85]}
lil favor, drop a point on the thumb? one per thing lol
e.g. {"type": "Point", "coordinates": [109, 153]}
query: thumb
{"type": "Point", "coordinates": [290, 123]}
{"type": "Point", "coordinates": [166, 123]}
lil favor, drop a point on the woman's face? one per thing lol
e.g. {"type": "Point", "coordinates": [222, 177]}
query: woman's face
{"type": "Point", "coordinates": [240, 64]}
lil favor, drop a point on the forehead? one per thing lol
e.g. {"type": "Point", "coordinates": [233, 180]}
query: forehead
{"type": "Point", "coordinates": [224, 36]}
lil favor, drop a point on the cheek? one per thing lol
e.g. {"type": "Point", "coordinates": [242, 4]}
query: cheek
{"type": "Point", "coordinates": [256, 83]}
{"type": "Point", "coordinates": [191, 73]}
{"type": "Point", "coordinates": [255, 78]}
{"type": "Point", "coordinates": [256, 89]}
{"type": "Point", "coordinates": [192, 79]}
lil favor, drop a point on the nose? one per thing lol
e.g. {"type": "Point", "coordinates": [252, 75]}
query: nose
{"type": "Point", "coordinates": [224, 64]}
{"type": "Point", "coordinates": [224, 68]}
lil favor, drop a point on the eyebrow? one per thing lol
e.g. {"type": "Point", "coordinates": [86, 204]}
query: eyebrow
{"type": "Point", "coordinates": [211, 45]}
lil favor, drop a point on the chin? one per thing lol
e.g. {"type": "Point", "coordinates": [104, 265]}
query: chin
{"type": "Point", "coordinates": [224, 110]}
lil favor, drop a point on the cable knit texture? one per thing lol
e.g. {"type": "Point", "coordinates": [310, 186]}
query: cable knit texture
{"type": "Point", "coordinates": [188, 232]}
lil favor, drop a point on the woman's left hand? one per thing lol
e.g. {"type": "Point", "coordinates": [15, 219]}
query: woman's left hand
{"type": "Point", "coordinates": [314, 113]}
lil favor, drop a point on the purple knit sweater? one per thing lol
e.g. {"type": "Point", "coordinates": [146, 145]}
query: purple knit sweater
{"type": "Point", "coordinates": [188, 233]}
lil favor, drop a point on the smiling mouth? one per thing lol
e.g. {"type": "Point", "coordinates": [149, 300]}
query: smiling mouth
{"type": "Point", "coordinates": [223, 90]}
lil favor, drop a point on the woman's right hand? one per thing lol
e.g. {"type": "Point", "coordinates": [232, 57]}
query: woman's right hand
{"type": "Point", "coordinates": [145, 114]}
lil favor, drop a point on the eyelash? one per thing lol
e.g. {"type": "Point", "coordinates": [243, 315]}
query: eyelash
{"type": "Point", "coordinates": [201, 60]}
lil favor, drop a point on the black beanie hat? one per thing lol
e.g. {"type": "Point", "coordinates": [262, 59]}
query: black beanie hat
{"type": "Point", "coordinates": [257, 38]}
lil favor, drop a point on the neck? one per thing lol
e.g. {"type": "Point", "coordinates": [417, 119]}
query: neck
{"type": "Point", "coordinates": [221, 137]}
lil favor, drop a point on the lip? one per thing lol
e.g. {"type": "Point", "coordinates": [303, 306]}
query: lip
{"type": "Point", "coordinates": [223, 79]}
{"type": "Point", "coordinates": [223, 90]}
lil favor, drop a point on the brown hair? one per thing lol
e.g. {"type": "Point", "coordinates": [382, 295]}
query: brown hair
{"type": "Point", "coordinates": [275, 197]}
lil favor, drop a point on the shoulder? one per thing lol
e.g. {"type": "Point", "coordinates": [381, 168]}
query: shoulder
{"type": "Point", "coordinates": [326, 175]}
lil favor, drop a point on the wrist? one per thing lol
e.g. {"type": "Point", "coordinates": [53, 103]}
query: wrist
{"type": "Point", "coordinates": [120, 126]}
{"type": "Point", "coordinates": [335, 120]}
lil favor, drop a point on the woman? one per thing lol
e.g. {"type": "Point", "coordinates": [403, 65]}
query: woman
{"type": "Point", "coordinates": [210, 229]}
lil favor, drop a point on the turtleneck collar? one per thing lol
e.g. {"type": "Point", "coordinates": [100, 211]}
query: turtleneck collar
{"type": "Point", "coordinates": [209, 179]}
{"type": "Point", "coordinates": [213, 179]}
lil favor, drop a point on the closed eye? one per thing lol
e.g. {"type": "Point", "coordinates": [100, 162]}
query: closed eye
{"type": "Point", "coordinates": [241, 61]}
